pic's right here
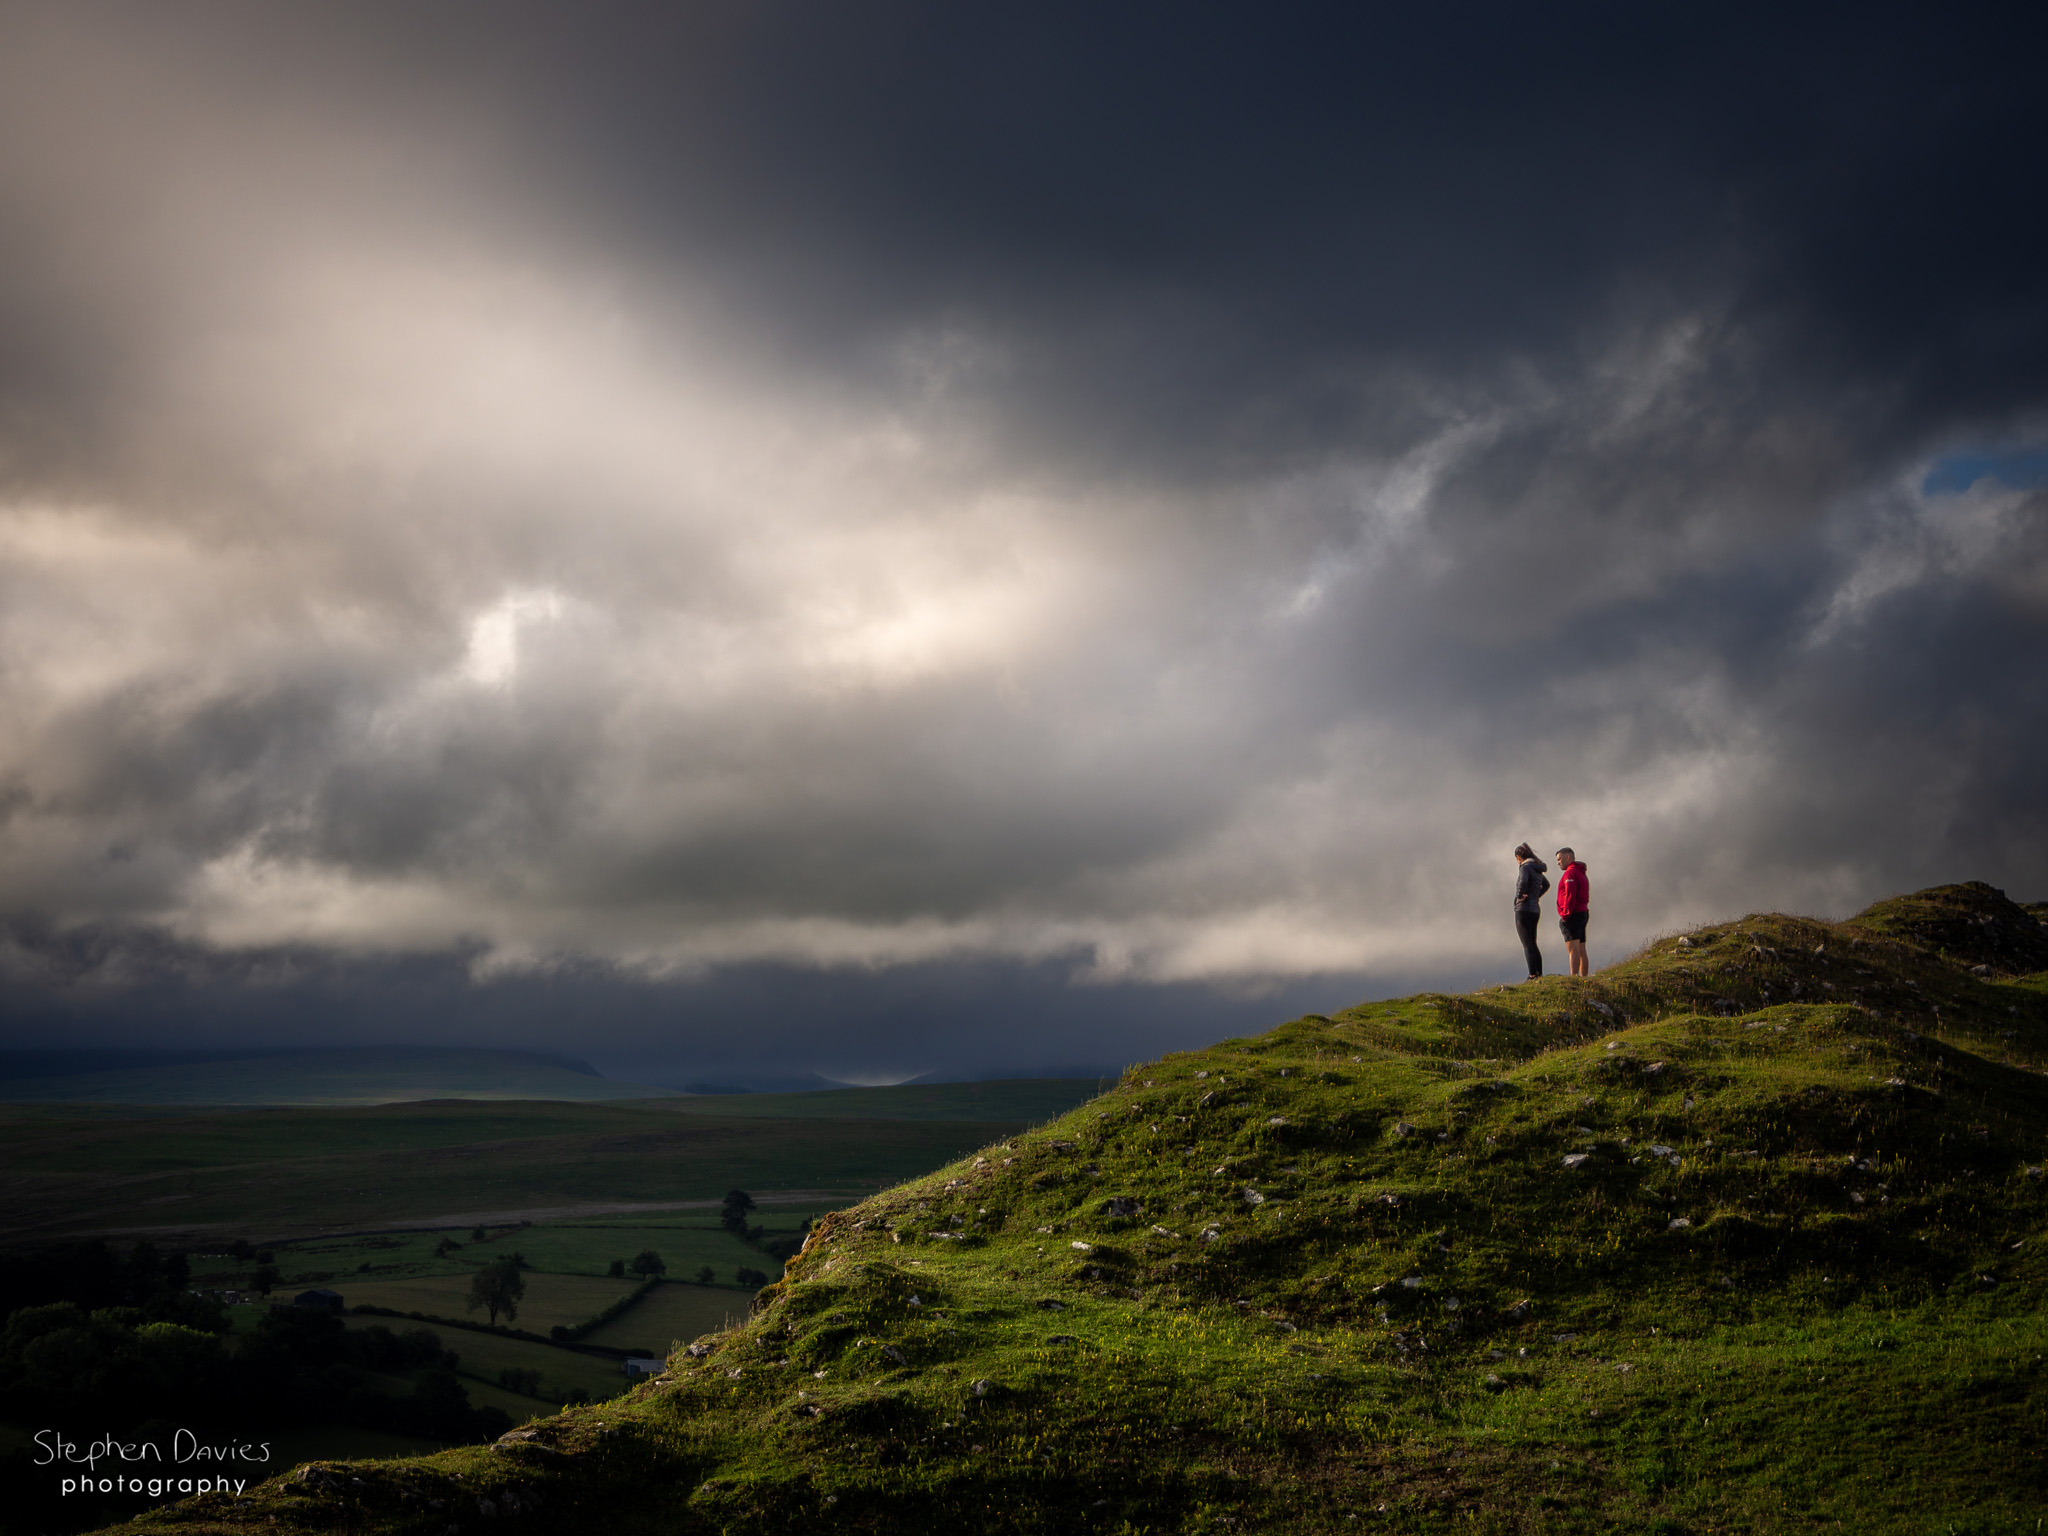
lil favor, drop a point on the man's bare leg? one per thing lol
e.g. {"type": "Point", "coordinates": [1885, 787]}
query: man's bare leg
{"type": "Point", "coordinates": [1576, 949]}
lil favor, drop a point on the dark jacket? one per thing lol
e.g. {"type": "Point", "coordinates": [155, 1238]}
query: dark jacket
{"type": "Point", "coordinates": [1530, 884]}
{"type": "Point", "coordinates": [1574, 891]}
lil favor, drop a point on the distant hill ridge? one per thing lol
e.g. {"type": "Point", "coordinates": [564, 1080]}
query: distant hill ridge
{"type": "Point", "coordinates": [309, 1075]}
{"type": "Point", "coordinates": [1572, 1255]}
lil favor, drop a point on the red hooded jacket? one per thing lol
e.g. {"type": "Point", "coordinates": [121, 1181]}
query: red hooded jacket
{"type": "Point", "coordinates": [1573, 890]}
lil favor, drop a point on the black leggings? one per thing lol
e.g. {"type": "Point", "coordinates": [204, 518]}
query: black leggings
{"type": "Point", "coordinates": [1525, 925]}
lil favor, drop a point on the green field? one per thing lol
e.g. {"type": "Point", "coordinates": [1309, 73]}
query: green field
{"type": "Point", "coordinates": [1746, 1233]}
{"type": "Point", "coordinates": [1013, 1099]}
{"type": "Point", "coordinates": [550, 1300]}
{"type": "Point", "coordinates": [366, 1267]}
{"type": "Point", "coordinates": [269, 1174]}
{"type": "Point", "coordinates": [381, 1204]}
{"type": "Point", "coordinates": [672, 1314]}
{"type": "Point", "coordinates": [363, 1075]}
{"type": "Point", "coordinates": [484, 1356]}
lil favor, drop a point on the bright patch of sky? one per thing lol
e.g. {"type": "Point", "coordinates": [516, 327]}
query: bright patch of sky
{"type": "Point", "coordinates": [2020, 468]}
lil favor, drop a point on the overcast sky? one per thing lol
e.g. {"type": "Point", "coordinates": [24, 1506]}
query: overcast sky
{"type": "Point", "coordinates": [862, 537]}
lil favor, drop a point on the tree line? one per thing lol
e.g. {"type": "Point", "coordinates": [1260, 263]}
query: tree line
{"type": "Point", "coordinates": [96, 1342]}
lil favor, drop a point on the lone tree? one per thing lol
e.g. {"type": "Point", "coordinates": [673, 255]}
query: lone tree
{"type": "Point", "coordinates": [498, 1286]}
{"type": "Point", "coordinates": [734, 1217]}
{"type": "Point", "coordinates": [617, 1271]}
{"type": "Point", "coordinates": [706, 1275]}
{"type": "Point", "coordinates": [648, 1263]}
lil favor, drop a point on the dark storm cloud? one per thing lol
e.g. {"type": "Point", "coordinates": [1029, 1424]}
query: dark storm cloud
{"type": "Point", "coordinates": [1227, 221]}
{"type": "Point", "coordinates": [1161, 494]}
{"type": "Point", "coordinates": [131, 989]}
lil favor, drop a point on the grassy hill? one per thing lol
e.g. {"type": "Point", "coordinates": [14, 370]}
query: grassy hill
{"type": "Point", "coordinates": [1744, 1233]}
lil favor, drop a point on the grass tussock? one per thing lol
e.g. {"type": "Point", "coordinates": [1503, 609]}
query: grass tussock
{"type": "Point", "coordinates": [1743, 1233]}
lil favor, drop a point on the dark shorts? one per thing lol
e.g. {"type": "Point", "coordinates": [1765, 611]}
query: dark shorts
{"type": "Point", "coordinates": [1573, 928]}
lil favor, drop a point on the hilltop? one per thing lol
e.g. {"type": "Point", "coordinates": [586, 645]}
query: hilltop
{"type": "Point", "coordinates": [1744, 1232]}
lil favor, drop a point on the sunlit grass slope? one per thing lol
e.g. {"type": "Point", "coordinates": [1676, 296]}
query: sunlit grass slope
{"type": "Point", "coordinates": [1743, 1233]}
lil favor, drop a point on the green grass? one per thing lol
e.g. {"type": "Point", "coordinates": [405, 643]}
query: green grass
{"type": "Point", "coordinates": [303, 1443]}
{"type": "Point", "coordinates": [673, 1314]}
{"type": "Point", "coordinates": [550, 1300]}
{"type": "Point", "coordinates": [1742, 1234]}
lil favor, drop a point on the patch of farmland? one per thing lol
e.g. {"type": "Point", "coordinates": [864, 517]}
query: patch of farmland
{"type": "Point", "coordinates": [670, 1312]}
{"type": "Point", "coordinates": [483, 1357]}
{"type": "Point", "coordinates": [551, 1300]}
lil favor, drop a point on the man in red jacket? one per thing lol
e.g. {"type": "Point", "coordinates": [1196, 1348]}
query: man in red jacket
{"type": "Point", "coordinates": [1574, 895]}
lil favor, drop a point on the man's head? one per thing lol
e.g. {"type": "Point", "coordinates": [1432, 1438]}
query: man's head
{"type": "Point", "coordinates": [1566, 856]}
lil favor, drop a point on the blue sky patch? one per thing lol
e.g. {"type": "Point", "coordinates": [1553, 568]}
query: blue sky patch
{"type": "Point", "coordinates": [2020, 468]}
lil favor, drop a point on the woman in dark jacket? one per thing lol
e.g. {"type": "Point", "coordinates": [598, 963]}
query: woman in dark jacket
{"type": "Point", "coordinates": [1530, 884]}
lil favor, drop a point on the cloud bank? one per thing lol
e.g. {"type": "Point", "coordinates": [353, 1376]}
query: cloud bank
{"type": "Point", "coordinates": [1164, 500]}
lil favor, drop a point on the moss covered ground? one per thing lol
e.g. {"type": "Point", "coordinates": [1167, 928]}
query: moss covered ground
{"type": "Point", "coordinates": [1743, 1233]}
